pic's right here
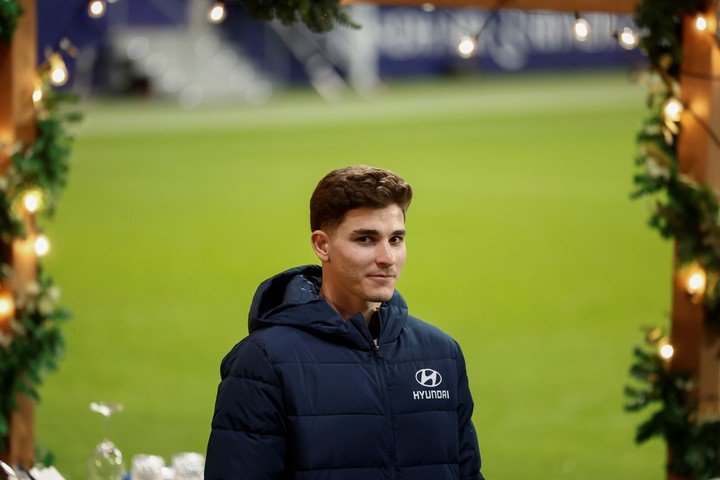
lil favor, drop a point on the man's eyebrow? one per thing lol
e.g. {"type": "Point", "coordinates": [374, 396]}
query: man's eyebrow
{"type": "Point", "coordinates": [369, 231]}
{"type": "Point", "coordinates": [364, 231]}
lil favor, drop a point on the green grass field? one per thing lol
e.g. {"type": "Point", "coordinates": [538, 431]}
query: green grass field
{"type": "Point", "coordinates": [522, 244]}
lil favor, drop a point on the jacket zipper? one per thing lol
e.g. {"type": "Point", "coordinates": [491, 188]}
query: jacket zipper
{"type": "Point", "coordinates": [383, 385]}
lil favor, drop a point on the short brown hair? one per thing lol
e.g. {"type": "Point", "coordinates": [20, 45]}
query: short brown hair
{"type": "Point", "coordinates": [356, 187]}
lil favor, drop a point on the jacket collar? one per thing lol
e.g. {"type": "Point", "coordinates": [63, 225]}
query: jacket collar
{"type": "Point", "coordinates": [292, 298]}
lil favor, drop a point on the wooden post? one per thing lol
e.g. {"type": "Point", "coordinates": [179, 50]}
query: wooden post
{"type": "Point", "coordinates": [18, 64]}
{"type": "Point", "coordinates": [696, 344]}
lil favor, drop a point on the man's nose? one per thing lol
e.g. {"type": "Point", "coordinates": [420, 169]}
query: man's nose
{"type": "Point", "coordinates": [384, 255]}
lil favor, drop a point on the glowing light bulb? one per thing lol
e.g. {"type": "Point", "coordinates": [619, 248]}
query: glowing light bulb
{"type": "Point", "coordinates": [627, 38]}
{"type": "Point", "coordinates": [694, 279]}
{"type": "Point", "coordinates": [701, 23]}
{"type": "Point", "coordinates": [58, 70]}
{"type": "Point", "coordinates": [7, 306]}
{"type": "Point", "coordinates": [41, 245]}
{"type": "Point", "coordinates": [217, 13]}
{"type": "Point", "coordinates": [96, 8]}
{"type": "Point", "coordinates": [672, 109]}
{"type": "Point", "coordinates": [58, 77]}
{"type": "Point", "coordinates": [428, 7]}
{"type": "Point", "coordinates": [31, 201]}
{"type": "Point", "coordinates": [696, 283]}
{"type": "Point", "coordinates": [581, 29]}
{"type": "Point", "coordinates": [466, 46]}
{"type": "Point", "coordinates": [667, 351]}
{"type": "Point", "coordinates": [37, 96]}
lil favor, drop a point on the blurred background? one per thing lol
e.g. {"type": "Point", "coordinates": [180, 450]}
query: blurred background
{"type": "Point", "coordinates": [190, 183]}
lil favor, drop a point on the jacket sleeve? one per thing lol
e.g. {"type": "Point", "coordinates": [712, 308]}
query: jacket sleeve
{"type": "Point", "coordinates": [248, 431]}
{"type": "Point", "coordinates": [469, 452]}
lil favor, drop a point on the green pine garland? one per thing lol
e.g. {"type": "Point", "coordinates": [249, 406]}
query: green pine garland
{"type": "Point", "coordinates": [695, 443]}
{"type": "Point", "coordinates": [319, 15]}
{"type": "Point", "coordinates": [36, 341]}
{"type": "Point", "coordinates": [35, 348]}
{"type": "Point", "coordinates": [685, 210]}
{"type": "Point", "coordinates": [688, 212]}
{"type": "Point", "coordinates": [10, 12]}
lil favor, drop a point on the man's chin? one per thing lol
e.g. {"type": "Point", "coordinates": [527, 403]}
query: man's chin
{"type": "Point", "coordinates": [381, 297]}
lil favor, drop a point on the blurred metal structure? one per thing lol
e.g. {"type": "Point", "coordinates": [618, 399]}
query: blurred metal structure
{"type": "Point", "coordinates": [318, 64]}
{"type": "Point", "coordinates": [187, 57]}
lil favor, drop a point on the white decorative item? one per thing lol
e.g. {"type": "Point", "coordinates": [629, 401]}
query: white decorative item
{"type": "Point", "coordinates": [106, 461]}
{"type": "Point", "coordinates": [189, 466]}
{"type": "Point", "coordinates": [7, 471]}
{"type": "Point", "coordinates": [49, 473]}
{"type": "Point", "coordinates": [147, 467]}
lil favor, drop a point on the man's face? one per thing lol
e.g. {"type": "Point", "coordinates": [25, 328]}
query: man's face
{"type": "Point", "coordinates": [365, 254]}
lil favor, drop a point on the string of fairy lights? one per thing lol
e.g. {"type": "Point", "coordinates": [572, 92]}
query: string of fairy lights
{"type": "Point", "coordinates": [54, 63]}
{"type": "Point", "coordinates": [53, 71]}
{"type": "Point", "coordinates": [467, 43]}
{"type": "Point", "coordinates": [691, 276]}
{"type": "Point", "coordinates": [32, 202]}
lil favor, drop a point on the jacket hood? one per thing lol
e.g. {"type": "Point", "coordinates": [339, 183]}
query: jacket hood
{"type": "Point", "coordinates": [292, 298]}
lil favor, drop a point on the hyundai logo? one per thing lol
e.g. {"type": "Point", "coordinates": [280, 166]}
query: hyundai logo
{"type": "Point", "coordinates": [428, 377]}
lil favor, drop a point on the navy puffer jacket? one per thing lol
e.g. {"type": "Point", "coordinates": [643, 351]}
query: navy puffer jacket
{"type": "Point", "coordinates": [309, 396]}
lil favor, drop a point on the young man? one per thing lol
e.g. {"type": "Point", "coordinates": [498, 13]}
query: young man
{"type": "Point", "coordinates": [335, 380]}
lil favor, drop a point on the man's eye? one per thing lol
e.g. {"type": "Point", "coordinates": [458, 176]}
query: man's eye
{"type": "Point", "coordinates": [362, 239]}
{"type": "Point", "coordinates": [396, 240]}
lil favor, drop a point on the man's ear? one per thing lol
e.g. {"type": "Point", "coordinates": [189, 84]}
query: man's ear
{"type": "Point", "coordinates": [320, 244]}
